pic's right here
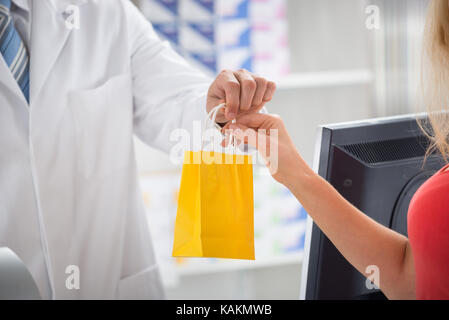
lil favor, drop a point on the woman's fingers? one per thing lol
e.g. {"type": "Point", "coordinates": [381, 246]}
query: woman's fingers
{"type": "Point", "coordinates": [259, 139]}
{"type": "Point", "coordinates": [261, 131]}
{"type": "Point", "coordinates": [260, 121]}
{"type": "Point", "coordinates": [241, 133]}
{"type": "Point", "coordinates": [244, 134]}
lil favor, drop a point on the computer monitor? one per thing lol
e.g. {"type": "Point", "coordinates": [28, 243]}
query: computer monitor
{"type": "Point", "coordinates": [377, 165]}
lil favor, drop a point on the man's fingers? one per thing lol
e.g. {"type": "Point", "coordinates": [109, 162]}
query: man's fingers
{"type": "Point", "coordinates": [231, 87]}
{"type": "Point", "coordinates": [262, 85]}
{"type": "Point", "coordinates": [269, 93]}
{"type": "Point", "coordinates": [248, 88]}
{"type": "Point", "coordinates": [242, 92]}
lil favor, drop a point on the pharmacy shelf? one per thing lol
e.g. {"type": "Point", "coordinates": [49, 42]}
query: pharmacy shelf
{"type": "Point", "coordinates": [196, 267]}
{"type": "Point", "coordinates": [325, 79]}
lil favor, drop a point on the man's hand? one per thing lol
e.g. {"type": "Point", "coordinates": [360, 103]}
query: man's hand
{"type": "Point", "coordinates": [242, 91]}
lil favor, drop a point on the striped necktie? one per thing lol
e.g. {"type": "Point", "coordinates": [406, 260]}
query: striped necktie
{"type": "Point", "coordinates": [13, 49]}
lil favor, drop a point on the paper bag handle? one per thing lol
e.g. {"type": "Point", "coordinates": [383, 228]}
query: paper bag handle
{"type": "Point", "coordinates": [211, 118]}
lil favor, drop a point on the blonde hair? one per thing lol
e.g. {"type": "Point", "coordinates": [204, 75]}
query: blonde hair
{"type": "Point", "coordinates": [435, 77]}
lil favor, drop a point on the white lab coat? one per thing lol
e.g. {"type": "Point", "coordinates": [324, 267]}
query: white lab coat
{"type": "Point", "coordinates": [69, 193]}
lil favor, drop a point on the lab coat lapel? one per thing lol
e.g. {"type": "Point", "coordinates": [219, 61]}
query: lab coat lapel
{"type": "Point", "coordinates": [49, 35]}
{"type": "Point", "coordinates": [8, 81]}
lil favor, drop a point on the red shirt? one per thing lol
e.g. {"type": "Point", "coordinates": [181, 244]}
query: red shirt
{"type": "Point", "coordinates": [428, 230]}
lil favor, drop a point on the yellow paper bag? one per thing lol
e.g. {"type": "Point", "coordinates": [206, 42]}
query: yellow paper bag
{"type": "Point", "coordinates": [215, 216]}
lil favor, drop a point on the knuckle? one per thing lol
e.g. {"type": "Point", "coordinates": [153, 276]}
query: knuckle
{"type": "Point", "coordinates": [250, 84]}
{"type": "Point", "coordinates": [262, 81]}
{"type": "Point", "coordinates": [272, 85]}
{"type": "Point", "coordinates": [232, 85]}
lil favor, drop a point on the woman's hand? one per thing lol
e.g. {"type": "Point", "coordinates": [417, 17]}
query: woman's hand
{"type": "Point", "coordinates": [268, 134]}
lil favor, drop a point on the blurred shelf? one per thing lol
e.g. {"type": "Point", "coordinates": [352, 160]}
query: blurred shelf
{"type": "Point", "coordinates": [198, 266]}
{"type": "Point", "coordinates": [325, 79]}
